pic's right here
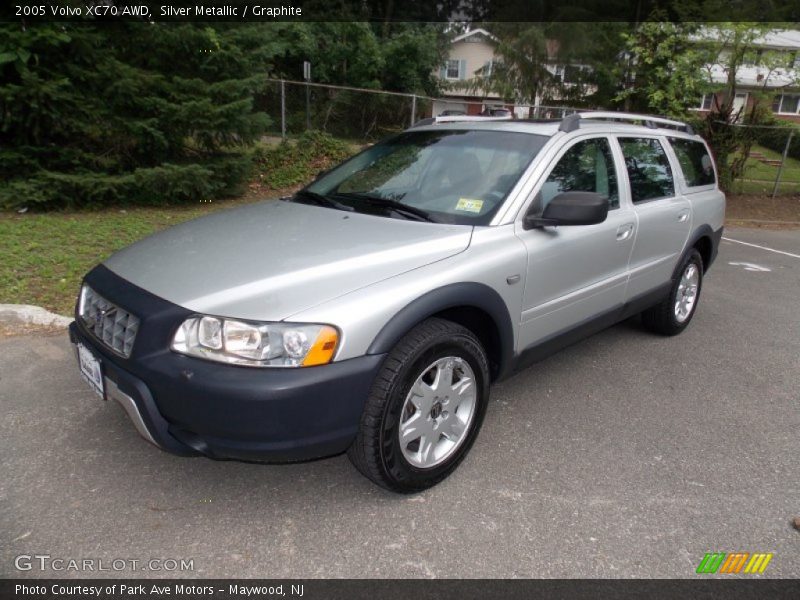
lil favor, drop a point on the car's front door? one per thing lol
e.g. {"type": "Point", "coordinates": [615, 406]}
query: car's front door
{"type": "Point", "coordinates": [664, 216]}
{"type": "Point", "coordinates": [576, 273]}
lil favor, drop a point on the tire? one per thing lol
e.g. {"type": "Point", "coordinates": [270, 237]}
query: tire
{"type": "Point", "coordinates": [673, 314]}
{"type": "Point", "coordinates": [432, 447]}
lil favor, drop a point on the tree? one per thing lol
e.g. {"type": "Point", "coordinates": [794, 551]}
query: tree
{"type": "Point", "coordinates": [144, 112]}
{"type": "Point", "coordinates": [596, 47]}
{"type": "Point", "coordinates": [399, 57]}
{"type": "Point", "coordinates": [732, 132]}
{"type": "Point", "coordinates": [530, 53]}
{"type": "Point", "coordinates": [663, 69]}
{"type": "Point", "coordinates": [520, 74]}
{"type": "Point", "coordinates": [412, 55]}
{"type": "Point", "coordinates": [671, 65]}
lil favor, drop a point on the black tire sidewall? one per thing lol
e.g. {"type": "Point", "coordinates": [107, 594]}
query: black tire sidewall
{"type": "Point", "coordinates": [396, 466]}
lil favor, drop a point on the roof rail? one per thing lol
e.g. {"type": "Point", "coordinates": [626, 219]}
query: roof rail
{"type": "Point", "coordinates": [572, 122]}
{"type": "Point", "coordinates": [460, 118]}
{"type": "Point", "coordinates": [423, 122]}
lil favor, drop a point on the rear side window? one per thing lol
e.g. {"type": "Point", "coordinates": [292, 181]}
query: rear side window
{"type": "Point", "coordinates": [696, 163]}
{"type": "Point", "coordinates": [648, 169]}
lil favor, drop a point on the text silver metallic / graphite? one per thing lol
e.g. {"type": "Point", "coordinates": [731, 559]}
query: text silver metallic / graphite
{"type": "Point", "coordinates": [200, 10]}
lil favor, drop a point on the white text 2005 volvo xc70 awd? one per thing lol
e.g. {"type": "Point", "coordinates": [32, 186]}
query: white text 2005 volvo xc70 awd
{"type": "Point", "coordinates": [370, 312]}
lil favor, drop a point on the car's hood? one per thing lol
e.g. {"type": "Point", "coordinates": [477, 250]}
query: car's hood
{"type": "Point", "coordinates": [270, 260]}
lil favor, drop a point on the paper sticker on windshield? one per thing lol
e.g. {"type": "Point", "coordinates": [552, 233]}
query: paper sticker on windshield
{"type": "Point", "coordinates": [469, 205]}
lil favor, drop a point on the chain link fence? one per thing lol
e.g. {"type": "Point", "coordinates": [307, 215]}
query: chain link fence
{"type": "Point", "coordinates": [364, 115]}
{"type": "Point", "coordinates": [772, 166]}
{"type": "Point", "coordinates": [349, 113]}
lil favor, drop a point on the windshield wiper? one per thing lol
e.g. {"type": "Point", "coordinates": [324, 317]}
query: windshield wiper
{"type": "Point", "coordinates": [321, 200]}
{"type": "Point", "coordinates": [376, 200]}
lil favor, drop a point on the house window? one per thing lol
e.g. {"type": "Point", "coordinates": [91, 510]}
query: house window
{"type": "Point", "coordinates": [568, 73]}
{"type": "Point", "coordinates": [705, 102]}
{"type": "Point", "coordinates": [786, 104]}
{"type": "Point", "coordinates": [753, 57]}
{"type": "Point", "coordinates": [452, 70]}
{"type": "Point", "coordinates": [572, 74]}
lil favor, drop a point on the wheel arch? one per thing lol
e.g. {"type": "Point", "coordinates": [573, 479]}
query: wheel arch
{"type": "Point", "coordinates": [475, 306]}
{"type": "Point", "coordinates": [702, 240]}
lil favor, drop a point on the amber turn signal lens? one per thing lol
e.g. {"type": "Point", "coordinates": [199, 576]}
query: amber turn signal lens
{"type": "Point", "coordinates": [321, 353]}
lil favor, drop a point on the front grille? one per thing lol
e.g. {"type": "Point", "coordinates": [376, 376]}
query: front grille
{"type": "Point", "coordinates": [110, 324]}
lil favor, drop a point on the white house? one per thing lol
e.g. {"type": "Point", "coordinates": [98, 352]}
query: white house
{"type": "Point", "coordinates": [781, 84]}
{"type": "Point", "coordinates": [469, 54]}
{"type": "Point", "coordinates": [474, 53]}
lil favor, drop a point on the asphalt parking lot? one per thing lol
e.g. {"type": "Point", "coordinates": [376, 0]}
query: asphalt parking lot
{"type": "Point", "coordinates": [627, 455]}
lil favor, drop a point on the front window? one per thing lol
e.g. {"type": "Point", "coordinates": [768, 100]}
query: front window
{"type": "Point", "coordinates": [586, 167]}
{"type": "Point", "coordinates": [449, 176]}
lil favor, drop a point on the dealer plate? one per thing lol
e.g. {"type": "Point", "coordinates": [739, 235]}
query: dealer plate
{"type": "Point", "coordinates": [91, 370]}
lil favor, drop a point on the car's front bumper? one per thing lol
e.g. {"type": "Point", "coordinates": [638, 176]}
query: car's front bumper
{"type": "Point", "coordinates": [191, 406]}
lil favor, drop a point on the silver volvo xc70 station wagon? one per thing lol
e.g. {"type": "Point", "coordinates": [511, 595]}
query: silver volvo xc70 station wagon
{"type": "Point", "coordinates": [371, 312]}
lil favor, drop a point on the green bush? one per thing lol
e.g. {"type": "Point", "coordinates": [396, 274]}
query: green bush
{"type": "Point", "coordinates": [294, 162]}
{"type": "Point", "coordinates": [161, 185]}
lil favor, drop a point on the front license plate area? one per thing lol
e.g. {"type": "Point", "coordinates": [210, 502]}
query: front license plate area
{"type": "Point", "coordinates": [91, 370]}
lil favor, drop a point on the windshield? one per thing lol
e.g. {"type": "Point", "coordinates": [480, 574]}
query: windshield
{"type": "Point", "coordinates": [448, 176]}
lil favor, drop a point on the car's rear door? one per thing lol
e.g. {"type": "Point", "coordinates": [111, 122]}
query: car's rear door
{"type": "Point", "coordinates": [663, 215]}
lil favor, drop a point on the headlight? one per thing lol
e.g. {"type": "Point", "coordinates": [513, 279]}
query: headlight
{"type": "Point", "coordinates": [256, 344]}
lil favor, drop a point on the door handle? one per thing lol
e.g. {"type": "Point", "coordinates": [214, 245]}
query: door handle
{"type": "Point", "coordinates": [624, 232]}
{"type": "Point", "coordinates": [683, 216]}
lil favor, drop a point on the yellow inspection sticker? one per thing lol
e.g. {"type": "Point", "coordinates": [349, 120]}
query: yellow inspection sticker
{"type": "Point", "coordinates": [469, 205]}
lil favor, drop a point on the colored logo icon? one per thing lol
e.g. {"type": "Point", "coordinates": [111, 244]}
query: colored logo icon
{"type": "Point", "coordinates": [734, 562]}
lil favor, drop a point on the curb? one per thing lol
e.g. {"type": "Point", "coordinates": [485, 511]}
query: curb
{"type": "Point", "coordinates": [25, 314]}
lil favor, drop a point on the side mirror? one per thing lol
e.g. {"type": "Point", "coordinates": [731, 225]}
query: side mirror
{"type": "Point", "coordinates": [571, 208]}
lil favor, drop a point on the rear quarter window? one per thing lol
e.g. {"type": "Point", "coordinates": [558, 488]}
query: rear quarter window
{"type": "Point", "coordinates": [695, 161]}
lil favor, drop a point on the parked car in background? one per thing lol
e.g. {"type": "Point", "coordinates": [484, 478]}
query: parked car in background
{"type": "Point", "coordinates": [496, 111]}
{"type": "Point", "coordinates": [371, 312]}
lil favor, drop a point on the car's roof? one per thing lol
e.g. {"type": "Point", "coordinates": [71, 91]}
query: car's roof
{"type": "Point", "coordinates": [547, 129]}
{"type": "Point", "coordinates": [550, 127]}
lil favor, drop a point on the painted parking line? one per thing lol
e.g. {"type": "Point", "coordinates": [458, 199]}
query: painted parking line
{"type": "Point", "coordinates": [751, 267]}
{"type": "Point", "coordinates": [762, 247]}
